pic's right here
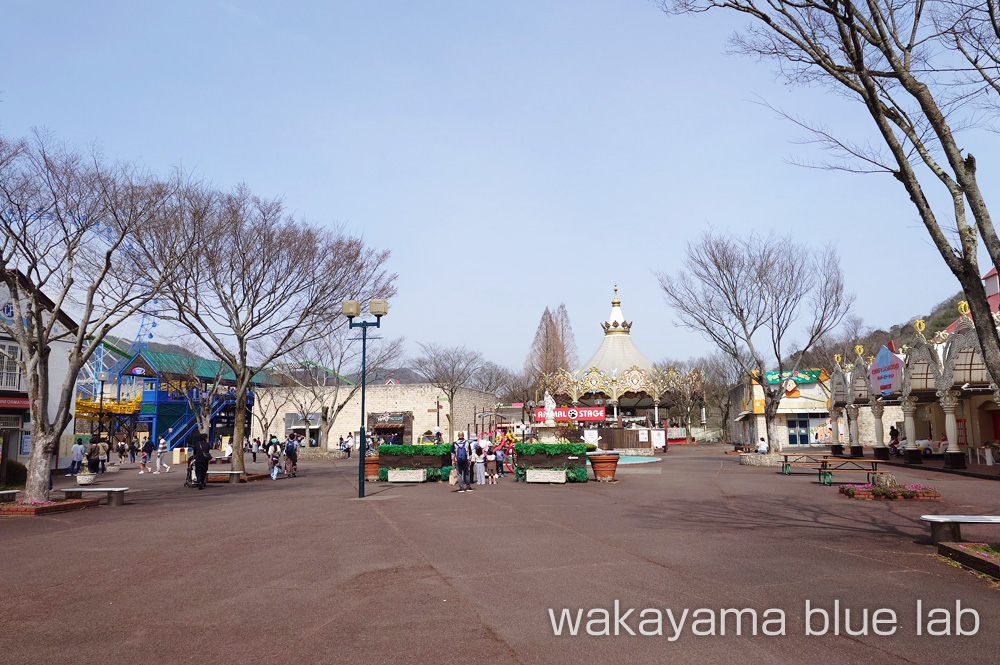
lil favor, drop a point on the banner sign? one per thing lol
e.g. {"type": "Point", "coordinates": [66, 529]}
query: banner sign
{"type": "Point", "coordinates": [573, 413]}
{"type": "Point", "coordinates": [16, 402]}
{"type": "Point", "coordinates": [886, 373]}
{"type": "Point", "coordinates": [798, 376]}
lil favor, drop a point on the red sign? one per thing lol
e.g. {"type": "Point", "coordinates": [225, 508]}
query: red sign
{"type": "Point", "coordinates": [16, 402]}
{"type": "Point", "coordinates": [573, 413]}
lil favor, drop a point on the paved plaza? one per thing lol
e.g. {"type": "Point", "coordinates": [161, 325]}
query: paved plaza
{"type": "Point", "coordinates": [297, 571]}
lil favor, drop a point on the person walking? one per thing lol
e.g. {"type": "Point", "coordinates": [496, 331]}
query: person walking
{"type": "Point", "coordinates": [133, 448]}
{"type": "Point", "coordinates": [161, 457]}
{"type": "Point", "coordinates": [491, 466]}
{"type": "Point", "coordinates": [349, 444]}
{"type": "Point", "coordinates": [479, 463]}
{"type": "Point", "coordinates": [274, 456]}
{"type": "Point", "coordinates": [105, 450]}
{"type": "Point", "coordinates": [148, 448]}
{"type": "Point", "coordinates": [76, 458]}
{"type": "Point", "coordinates": [460, 454]}
{"type": "Point", "coordinates": [143, 462]}
{"type": "Point", "coordinates": [94, 457]}
{"type": "Point", "coordinates": [122, 451]}
{"type": "Point", "coordinates": [202, 457]}
{"type": "Point", "coordinates": [292, 446]}
{"type": "Point", "coordinates": [255, 449]}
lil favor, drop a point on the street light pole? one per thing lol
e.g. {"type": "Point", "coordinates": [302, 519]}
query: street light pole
{"type": "Point", "coordinates": [102, 377]}
{"type": "Point", "coordinates": [351, 309]}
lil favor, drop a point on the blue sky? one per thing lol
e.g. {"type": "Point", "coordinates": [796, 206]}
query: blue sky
{"type": "Point", "coordinates": [511, 155]}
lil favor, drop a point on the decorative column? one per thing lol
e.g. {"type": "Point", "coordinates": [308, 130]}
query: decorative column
{"type": "Point", "coordinates": [881, 451]}
{"type": "Point", "coordinates": [954, 458]}
{"type": "Point", "coordinates": [835, 447]}
{"type": "Point", "coordinates": [852, 429]}
{"type": "Point", "coordinates": [913, 455]}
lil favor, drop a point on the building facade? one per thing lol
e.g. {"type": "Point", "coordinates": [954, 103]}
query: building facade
{"type": "Point", "coordinates": [405, 409]}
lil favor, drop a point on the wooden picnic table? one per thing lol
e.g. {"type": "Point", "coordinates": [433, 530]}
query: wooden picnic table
{"type": "Point", "coordinates": [826, 465]}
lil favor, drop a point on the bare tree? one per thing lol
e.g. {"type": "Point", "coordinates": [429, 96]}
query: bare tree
{"type": "Point", "coordinates": [320, 368]}
{"type": "Point", "coordinates": [261, 284]}
{"type": "Point", "coordinates": [753, 297]}
{"type": "Point", "coordinates": [73, 257]}
{"type": "Point", "coordinates": [547, 353]}
{"type": "Point", "coordinates": [267, 404]}
{"type": "Point", "coordinates": [721, 374]}
{"type": "Point", "coordinates": [924, 71]}
{"type": "Point", "coordinates": [564, 329]}
{"type": "Point", "coordinates": [683, 381]}
{"type": "Point", "coordinates": [201, 391]}
{"type": "Point", "coordinates": [491, 378]}
{"type": "Point", "coordinates": [448, 368]}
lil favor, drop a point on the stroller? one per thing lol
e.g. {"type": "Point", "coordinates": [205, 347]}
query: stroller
{"type": "Point", "coordinates": [190, 477]}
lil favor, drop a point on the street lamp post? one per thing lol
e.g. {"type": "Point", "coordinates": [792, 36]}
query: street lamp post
{"type": "Point", "coordinates": [352, 308]}
{"type": "Point", "coordinates": [102, 377]}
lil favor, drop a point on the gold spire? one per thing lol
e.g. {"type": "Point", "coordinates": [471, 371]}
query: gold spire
{"type": "Point", "coordinates": [616, 302]}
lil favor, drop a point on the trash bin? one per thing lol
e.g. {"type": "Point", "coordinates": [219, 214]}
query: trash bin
{"type": "Point", "coordinates": [181, 455]}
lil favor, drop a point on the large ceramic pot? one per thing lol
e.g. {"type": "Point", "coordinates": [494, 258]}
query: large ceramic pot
{"type": "Point", "coordinates": [86, 478]}
{"type": "Point", "coordinates": [604, 466]}
{"type": "Point", "coordinates": [371, 468]}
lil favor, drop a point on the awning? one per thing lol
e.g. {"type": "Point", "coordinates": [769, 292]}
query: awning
{"type": "Point", "coordinates": [742, 414]}
{"type": "Point", "coordinates": [389, 426]}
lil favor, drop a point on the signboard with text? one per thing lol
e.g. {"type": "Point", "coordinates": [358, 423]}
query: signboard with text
{"type": "Point", "coordinates": [886, 373]}
{"type": "Point", "coordinates": [573, 413]}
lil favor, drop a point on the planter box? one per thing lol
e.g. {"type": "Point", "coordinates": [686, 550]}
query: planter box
{"type": "Point", "coordinates": [545, 476]}
{"type": "Point", "coordinates": [407, 475]}
{"type": "Point", "coordinates": [86, 478]}
{"type": "Point", "coordinates": [371, 468]}
{"type": "Point", "coordinates": [970, 559]}
{"type": "Point", "coordinates": [546, 461]}
{"type": "Point", "coordinates": [412, 461]}
{"type": "Point", "coordinates": [27, 509]}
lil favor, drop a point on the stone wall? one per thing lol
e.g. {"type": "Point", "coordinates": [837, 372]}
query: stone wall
{"type": "Point", "coordinates": [416, 398]}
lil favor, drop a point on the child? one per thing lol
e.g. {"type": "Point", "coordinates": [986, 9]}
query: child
{"type": "Point", "coordinates": [142, 463]}
{"type": "Point", "coordinates": [491, 466]}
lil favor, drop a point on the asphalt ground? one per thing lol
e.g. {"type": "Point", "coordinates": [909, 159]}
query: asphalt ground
{"type": "Point", "coordinates": [300, 571]}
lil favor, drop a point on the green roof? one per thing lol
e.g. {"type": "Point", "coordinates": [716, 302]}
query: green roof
{"type": "Point", "coordinates": [174, 363]}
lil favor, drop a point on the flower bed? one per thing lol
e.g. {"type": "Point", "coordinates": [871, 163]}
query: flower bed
{"type": "Point", "coordinates": [29, 508]}
{"type": "Point", "coordinates": [907, 492]}
{"type": "Point", "coordinates": [982, 557]}
{"type": "Point", "coordinates": [434, 458]}
{"type": "Point", "coordinates": [571, 457]}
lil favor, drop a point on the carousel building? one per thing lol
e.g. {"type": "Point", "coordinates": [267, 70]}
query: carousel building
{"type": "Point", "coordinates": [618, 375]}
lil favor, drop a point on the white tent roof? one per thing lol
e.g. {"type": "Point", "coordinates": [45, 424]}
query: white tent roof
{"type": "Point", "coordinates": [617, 352]}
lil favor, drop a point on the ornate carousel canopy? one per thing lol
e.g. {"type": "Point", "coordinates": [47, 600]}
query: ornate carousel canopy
{"type": "Point", "coordinates": [617, 367]}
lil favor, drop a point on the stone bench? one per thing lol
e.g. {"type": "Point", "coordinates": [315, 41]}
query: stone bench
{"type": "Point", "coordinates": [116, 495]}
{"type": "Point", "coordinates": [947, 528]}
{"type": "Point", "coordinates": [234, 476]}
{"type": "Point", "coordinates": [8, 495]}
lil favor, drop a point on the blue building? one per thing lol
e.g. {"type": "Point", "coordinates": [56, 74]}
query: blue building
{"type": "Point", "coordinates": [166, 392]}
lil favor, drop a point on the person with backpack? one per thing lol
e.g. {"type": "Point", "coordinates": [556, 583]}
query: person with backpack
{"type": "Point", "coordinates": [491, 466]}
{"type": "Point", "coordinates": [461, 451]}
{"type": "Point", "coordinates": [291, 455]}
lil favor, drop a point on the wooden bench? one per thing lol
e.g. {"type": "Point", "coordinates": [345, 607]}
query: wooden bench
{"type": "Point", "coordinates": [116, 495]}
{"type": "Point", "coordinates": [826, 475]}
{"type": "Point", "coordinates": [234, 476]}
{"type": "Point", "coordinates": [8, 495]}
{"type": "Point", "coordinates": [947, 528]}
